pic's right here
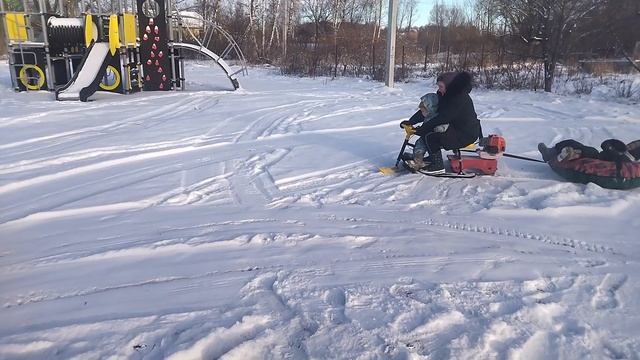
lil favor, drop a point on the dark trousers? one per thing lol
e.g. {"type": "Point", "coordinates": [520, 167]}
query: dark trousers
{"type": "Point", "coordinates": [448, 140]}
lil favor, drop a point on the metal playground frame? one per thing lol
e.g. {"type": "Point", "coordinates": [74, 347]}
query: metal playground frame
{"type": "Point", "coordinates": [121, 46]}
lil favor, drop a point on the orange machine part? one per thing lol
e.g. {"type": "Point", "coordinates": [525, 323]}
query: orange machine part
{"type": "Point", "coordinates": [473, 164]}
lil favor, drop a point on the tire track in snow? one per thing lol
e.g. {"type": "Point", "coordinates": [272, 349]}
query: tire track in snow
{"type": "Point", "coordinates": [131, 177]}
{"type": "Point", "coordinates": [545, 238]}
{"type": "Point", "coordinates": [107, 164]}
{"type": "Point", "coordinates": [119, 161]}
{"type": "Point", "coordinates": [200, 192]}
{"type": "Point", "coordinates": [82, 108]}
{"type": "Point", "coordinates": [96, 153]}
{"type": "Point", "coordinates": [267, 181]}
{"type": "Point", "coordinates": [287, 123]}
{"type": "Point", "coordinates": [153, 117]}
{"type": "Point", "coordinates": [222, 277]}
{"type": "Point", "coordinates": [365, 227]}
{"type": "Point", "coordinates": [261, 125]}
{"type": "Point", "coordinates": [261, 176]}
{"type": "Point", "coordinates": [560, 241]}
{"type": "Point", "coordinates": [262, 129]}
{"type": "Point", "coordinates": [244, 186]}
{"type": "Point", "coordinates": [9, 121]}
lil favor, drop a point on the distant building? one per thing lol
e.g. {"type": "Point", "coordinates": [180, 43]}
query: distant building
{"type": "Point", "coordinates": [607, 66]}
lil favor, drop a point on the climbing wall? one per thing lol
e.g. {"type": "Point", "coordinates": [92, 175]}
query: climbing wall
{"type": "Point", "coordinates": [154, 49]}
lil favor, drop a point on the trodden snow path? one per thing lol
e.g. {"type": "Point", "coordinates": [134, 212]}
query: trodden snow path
{"type": "Point", "coordinates": [252, 224]}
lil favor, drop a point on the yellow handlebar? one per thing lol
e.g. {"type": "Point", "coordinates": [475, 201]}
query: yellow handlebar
{"type": "Point", "coordinates": [409, 130]}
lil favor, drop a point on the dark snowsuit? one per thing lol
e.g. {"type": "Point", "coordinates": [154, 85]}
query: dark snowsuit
{"type": "Point", "coordinates": [612, 150]}
{"type": "Point", "coordinates": [456, 109]}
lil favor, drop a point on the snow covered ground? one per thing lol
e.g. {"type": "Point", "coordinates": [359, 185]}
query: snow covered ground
{"type": "Point", "coordinates": [253, 224]}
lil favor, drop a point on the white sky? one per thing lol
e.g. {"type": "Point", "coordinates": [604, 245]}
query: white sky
{"type": "Point", "coordinates": [424, 9]}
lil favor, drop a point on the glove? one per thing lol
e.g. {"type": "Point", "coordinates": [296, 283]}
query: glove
{"type": "Point", "coordinates": [405, 123]}
{"type": "Point", "coordinates": [441, 128]}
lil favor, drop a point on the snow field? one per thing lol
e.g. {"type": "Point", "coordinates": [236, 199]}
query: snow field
{"type": "Point", "coordinates": [252, 224]}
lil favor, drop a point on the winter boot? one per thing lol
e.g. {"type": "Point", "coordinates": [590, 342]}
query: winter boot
{"type": "Point", "coordinates": [418, 160]}
{"type": "Point", "coordinates": [546, 152]}
{"type": "Point", "coordinates": [436, 165]}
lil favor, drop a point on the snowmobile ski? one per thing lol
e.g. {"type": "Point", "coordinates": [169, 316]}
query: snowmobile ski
{"type": "Point", "coordinates": [444, 174]}
{"type": "Point", "coordinates": [450, 175]}
{"type": "Point", "coordinates": [388, 170]}
{"type": "Point", "coordinates": [402, 158]}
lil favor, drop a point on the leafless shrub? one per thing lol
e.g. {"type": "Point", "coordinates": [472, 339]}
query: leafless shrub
{"type": "Point", "coordinates": [624, 89]}
{"type": "Point", "coordinates": [583, 85]}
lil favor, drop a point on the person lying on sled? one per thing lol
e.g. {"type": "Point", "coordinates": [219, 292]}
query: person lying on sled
{"type": "Point", "coordinates": [454, 126]}
{"type": "Point", "coordinates": [612, 150]}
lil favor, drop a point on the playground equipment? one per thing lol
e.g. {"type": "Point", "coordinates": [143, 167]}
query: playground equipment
{"type": "Point", "coordinates": [135, 45]}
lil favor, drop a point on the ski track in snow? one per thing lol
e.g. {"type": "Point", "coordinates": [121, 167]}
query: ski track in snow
{"type": "Point", "coordinates": [254, 225]}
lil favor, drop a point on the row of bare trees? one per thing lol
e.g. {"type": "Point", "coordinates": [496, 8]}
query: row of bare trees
{"type": "Point", "coordinates": [340, 37]}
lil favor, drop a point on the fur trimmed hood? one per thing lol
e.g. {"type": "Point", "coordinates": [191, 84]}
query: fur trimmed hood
{"type": "Point", "coordinates": [460, 84]}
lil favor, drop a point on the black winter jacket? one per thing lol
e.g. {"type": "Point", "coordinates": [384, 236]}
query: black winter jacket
{"type": "Point", "coordinates": [456, 109]}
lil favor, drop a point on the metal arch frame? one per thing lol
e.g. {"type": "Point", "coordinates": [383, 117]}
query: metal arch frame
{"type": "Point", "coordinates": [202, 47]}
{"type": "Point", "coordinates": [233, 45]}
{"type": "Point", "coordinates": [206, 52]}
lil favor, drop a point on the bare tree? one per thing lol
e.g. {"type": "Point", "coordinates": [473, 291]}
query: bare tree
{"type": "Point", "coordinates": [251, 28]}
{"type": "Point", "coordinates": [496, 37]}
{"type": "Point", "coordinates": [407, 11]}
{"type": "Point", "coordinates": [437, 16]}
{"type": "Point", "coordinates": [546, 24]}
{"type": "Point", "coordinates": [486, 15]}
{"type": "Point", "coordinates": [378, 22]}
{"type": "Point", "coordinates": [317, 11]}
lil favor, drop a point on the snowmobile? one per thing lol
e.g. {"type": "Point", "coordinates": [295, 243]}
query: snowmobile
{"type": "Point", "coordinates": [485, 161]}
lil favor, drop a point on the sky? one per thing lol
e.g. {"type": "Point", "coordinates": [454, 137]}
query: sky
{"type": "Point", "coordinates": [424, 9]}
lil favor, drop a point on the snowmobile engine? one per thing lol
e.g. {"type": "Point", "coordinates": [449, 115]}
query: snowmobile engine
{"type": "Point", "coordinates": [492, 146]}
{"type": "Point", "coordinates": [485, 163]}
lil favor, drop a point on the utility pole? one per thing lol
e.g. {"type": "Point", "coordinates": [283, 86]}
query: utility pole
{"type": "Point", "coordinates": [391, 42]}
{"type": "Point", "coordinates": [285, 29]}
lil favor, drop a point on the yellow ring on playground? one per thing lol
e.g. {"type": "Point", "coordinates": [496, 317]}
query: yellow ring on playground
{"type": "Point", "coordinates": [24, 79]}
{"type": "Point", "coordinates": [116, 83]}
